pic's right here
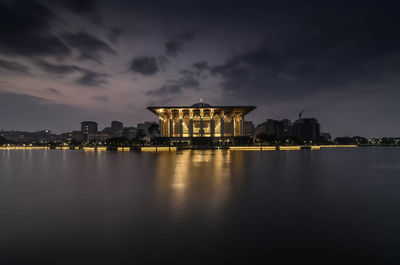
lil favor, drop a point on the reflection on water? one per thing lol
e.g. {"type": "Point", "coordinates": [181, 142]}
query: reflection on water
{"type": "Point", "coordinates": [183, 178]}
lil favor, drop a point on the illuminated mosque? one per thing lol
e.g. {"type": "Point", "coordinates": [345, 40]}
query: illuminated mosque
{"type": "Point", "coordinates": [201, 120]}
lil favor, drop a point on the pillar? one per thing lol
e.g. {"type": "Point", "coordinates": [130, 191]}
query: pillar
{"type": "Point", "coordinates": [171, 127]}
{"type": "Point", "coordinates": [241, 125]}
{"type": "Point", "coordinates": [191, 127]}
{"type": "Point", "coordinates": [212, 127]}
{"type": "Point", "coordinates": [160, 124]}
{"type": "Point", "coordinates": [233, 125]}
{"type": "Point", "coordinates": [201, 127]}
{"type": "Point", "coordinates": [222, 126]}
{"type": "Point", "coordinates": [180, 127]}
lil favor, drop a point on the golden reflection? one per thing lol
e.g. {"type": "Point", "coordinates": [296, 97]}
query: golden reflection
{"type": "Point", "coordinates": [197, 178]}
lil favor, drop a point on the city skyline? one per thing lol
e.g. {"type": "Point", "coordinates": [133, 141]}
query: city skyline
{"type": "Point", "coordinates": [62, 62]}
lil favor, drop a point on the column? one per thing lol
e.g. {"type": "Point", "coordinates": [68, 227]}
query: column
{"type": "Point", "coordinates": [222, 125]}
{"type": "Point", "coordinates": [233, 125]}
{"type": "Point", "coordinates": [160, 123]}
{"type": "Point", "coordinates": [212, 127]}
{"type": "Point", "coordinates": [191, 127]}
{"type": "Point", "coordinates": [180, 128]}
{"type": "Point", "coordinates": [171, 127]}
{"type": "Point", "coordinates": [241, 125]}
{"type": "Point", "coordinates": [201, 127]}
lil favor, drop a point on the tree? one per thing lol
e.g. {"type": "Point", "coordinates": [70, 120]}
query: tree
{"type": "Point", "coordinates": [344, 140]}
{"type": "Point", "coordinates": [140, 134]}
{"type": "Point", "coordinates": [3, 140]}
{"type": "Point", "coordinates": [262, 137]}
{"type": "Point", "coordinates": [360, 140]}
{"type": "Point", "coordinates": [117, 141]}
{"type": "Point", "coordinates": [154, 130]}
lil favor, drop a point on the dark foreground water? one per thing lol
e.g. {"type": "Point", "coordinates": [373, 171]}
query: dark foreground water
{"type": "Point", "coordinates": [331, 206]}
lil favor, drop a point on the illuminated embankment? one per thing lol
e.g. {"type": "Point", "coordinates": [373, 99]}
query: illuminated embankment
{"type": "Point", "coordinates": [286, 148]}
{"type": "Point", "coordinates": [253, 148]}
{"type": "Point", "coordinates": [24, 148]}
{"type": "Point", "coordinates": [294, 147]}
{"type": "Point", "coordinates": [173, 148]}
{"type": "Point", "coordinates": [158, 149]}
{"type": "Point", "coordinates": [123, 149]}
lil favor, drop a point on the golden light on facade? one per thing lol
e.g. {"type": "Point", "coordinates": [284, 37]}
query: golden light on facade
{"type": "Point", "coordinates": [201, 120]}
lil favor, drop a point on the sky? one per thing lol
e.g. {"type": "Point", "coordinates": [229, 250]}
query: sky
{"type": "Point", "coordinates": [65, 61]}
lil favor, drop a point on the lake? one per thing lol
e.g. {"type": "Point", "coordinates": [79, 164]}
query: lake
{"type": "Point", "coordinates": [328, 206]}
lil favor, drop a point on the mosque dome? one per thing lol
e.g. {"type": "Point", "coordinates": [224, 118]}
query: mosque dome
{"type": "Point", "coordinates": [201, 105]}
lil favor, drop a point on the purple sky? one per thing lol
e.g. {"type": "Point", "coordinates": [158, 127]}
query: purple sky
{"type": "Point", "coordinates": [65, 61]}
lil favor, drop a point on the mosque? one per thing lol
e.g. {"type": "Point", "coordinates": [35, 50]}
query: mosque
{"type": "Point", "coordinates": [201, 120]}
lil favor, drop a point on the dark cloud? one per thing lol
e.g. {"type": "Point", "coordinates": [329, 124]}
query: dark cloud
{"type": "Point", "coordinates": [88, 46]}
{"type": "Point", "coordinates": [80, 7]}
{"type": "Point", "coordinates": [200, 66]}
{"type": "Point", "coordinates": [187, 81]}
{"type": "Point", "coordinates": [87, 8]}
{"type": "Point", "coordinates": [92, 79]}
{"type": "Point", "coordinates": [53, 91]}
{"type": "Point", "coordinates": [176, 44]}
{"type": "Point", "coordinates": [88, 78]}
{"type": "Point", "coordinates": [145, 65]}
{"type": "Point", "coordinates": [102, 99]}
{"type": "Point", "coordinates": [332, 56]}
{"type": "Point", "coordinates": [25, 28]}
{"type": "Point", "coordinates": [13, 67]}
{"type": "Point", "coordinates": [114, 34]}
{"type": "Point", "coordinates": [58, 68]}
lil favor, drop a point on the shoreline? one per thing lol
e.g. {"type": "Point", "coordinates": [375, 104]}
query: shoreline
{"type": "Point", "coordinates": [176, 148]}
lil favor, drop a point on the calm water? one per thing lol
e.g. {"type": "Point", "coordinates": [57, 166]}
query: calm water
{"type": "Point", "coordinates": [336, 206]}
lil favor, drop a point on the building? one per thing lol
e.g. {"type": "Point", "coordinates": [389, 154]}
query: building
{"type": "Point", "coordinates": [129, 133]}
{"type": "Point", "coordinates": [22, 136]}
{"type": "Point", "coordinates": [117, 125]}
{"type": "Point", "coordinates": [76, 136]}
{"type": "Point", "coordinates": [306, 129]}
{"type": "Point", "coordinates": [278, 129]}
{"type": "Point", "coordinates": [273, 127]}
{"type": "Point", "coordinates": [249, 129]}
{"type": "Point", "coordinates": [284, 129]}
{"type": "Point", "coordinates": [117, 128]}
{"type": "Point", "coordinates": [260, 129]}
{"type": "Point", "coordinates": [88, 127]}
{"type": "Point", "coordinates": [201, 120]}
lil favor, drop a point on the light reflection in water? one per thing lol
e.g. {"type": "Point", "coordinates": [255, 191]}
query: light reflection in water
{"type": "Point", "coordinates": [202, 178]}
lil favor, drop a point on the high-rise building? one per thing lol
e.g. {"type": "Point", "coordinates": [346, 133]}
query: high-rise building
{"type": "Point", "coordinates": [88, 127]}
{"type": "Point", "coordinates": [273, 127]}
{"type": "Point", "coordinates": [248, 129]}
{"type": "Point", "coordinates": [117, 128]}
{"type": "Point", "coordinates": [276, 128]}
{"type": "Point", "coordinates": [307, 129]}
{"type": "Point", "coordinates": [284, 128]}
{"type": "Point", "coordinates": [260, 129]}
{"type": "Point", "coordinates": [129, 132]}
{"type": "Point", "coordinates": [117, 125]}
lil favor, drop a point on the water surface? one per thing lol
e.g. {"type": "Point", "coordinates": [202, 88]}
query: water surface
{"type": "Point", "coordinates": [329, 206]}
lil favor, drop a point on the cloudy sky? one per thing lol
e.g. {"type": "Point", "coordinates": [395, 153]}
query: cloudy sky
{"type": "Point", "coordinates": [64, 61]}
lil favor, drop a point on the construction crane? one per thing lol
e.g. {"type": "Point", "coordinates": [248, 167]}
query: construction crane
{"type": "Point", "coordinates": [301, 112]}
